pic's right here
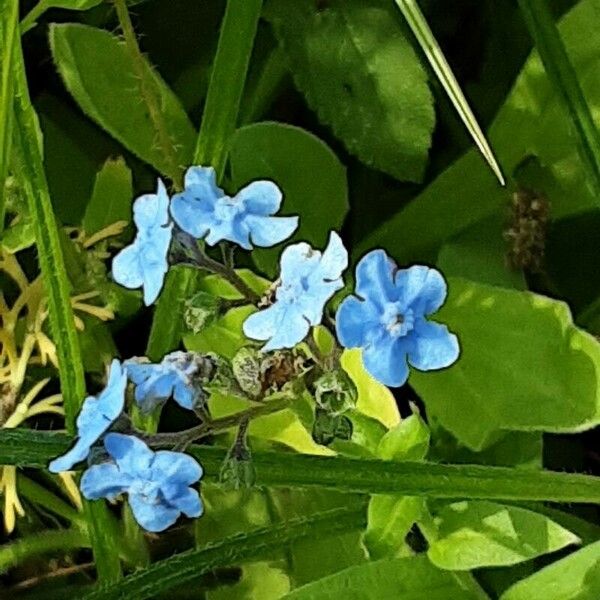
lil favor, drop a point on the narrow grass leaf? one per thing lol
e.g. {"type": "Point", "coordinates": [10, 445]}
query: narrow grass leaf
{"type": "Point", "coordinates": [422, 32]}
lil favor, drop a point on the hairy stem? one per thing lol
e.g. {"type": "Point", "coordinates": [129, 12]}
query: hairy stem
{"type": "Point", "coordinates": [154, 110]}
{"type": "Point", "coordinates": [184, 438]}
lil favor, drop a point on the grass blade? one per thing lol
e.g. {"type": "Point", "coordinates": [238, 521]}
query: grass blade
{"type": "Point", "coordinates": [9, 27]}
{"type": "Point", "coordinates": [27, 146]}
{"type": "Point", "coordinates": [218, 124]}
{"type": "Point", "coordinates": [35, 448]}
{"type": "Point", "coordinates": [234, 550]}
{"type": "Point", "coordinates": [422, 32]}
{"type": "Point", "coordinates": [563, 77]}
{"type": "Point", "coordinates": [54, 541]}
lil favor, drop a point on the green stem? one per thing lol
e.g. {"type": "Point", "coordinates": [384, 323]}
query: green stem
{"type": "Point", "coordinates": [41, 543]}
{"type": "Point", "coordinates": [563, 77]}
{"type": "Point", "coordinates": [38, 494]}
{"type": "Point", "coordinates": [35, 448]}
{"type": "Point", "coordinates": [232, 551]}
{"type": "Point", "coordinates": [184, 438]}
{"type": "Point", "coordinates": [227, 83]}
{"type": "Point", "coordinates": [152, 102]}
{"type": "Point", "coordinates": [9, 28]}
{"type": "Point", "coordinates": [28, 151]}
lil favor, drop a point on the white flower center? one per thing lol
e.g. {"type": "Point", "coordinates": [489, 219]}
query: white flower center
{"type": "Point", "coordinates": [396, 322]}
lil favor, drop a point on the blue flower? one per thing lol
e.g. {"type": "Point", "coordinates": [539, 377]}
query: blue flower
{"type": "Point", "coordinates": [308, 280]}
{"type": "Point", "coordinates": [144, 262]}
{"type": "Point", "coordinates": [178, 375]}
{"type": "Point", "coordinates": [96, 416]}
{"type": "Point", "coordinates": [157, 483]}
{"type": "Point", "coordinates": [203, 209]}
{"type": "Point", "coordinates": [387, 319]}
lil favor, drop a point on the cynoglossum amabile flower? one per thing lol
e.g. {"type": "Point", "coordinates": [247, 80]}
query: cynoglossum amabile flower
{"type": "Point", "coordinates": [179, 375]}
{"type": "Point", "coordinates": [144, 262]}
{"type": "Point", "coordinates": [157, 483]}
{"type": "Point", "coordinates": [97, 414]}
{"type": "Point", "coordinates": [203, 210]}
{"type": "Point", "coordinates": [308, 279]}
{"type": "Point", "coordinates": [387, 318]}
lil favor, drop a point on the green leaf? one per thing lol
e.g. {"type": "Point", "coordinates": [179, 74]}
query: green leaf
{"type": "Point", "coordinates": [576, 577]}
{"type": "Point", "coordinates": [187, 566]}
{"type": "Point", "coordinates": [19, 236]}
{"type": "Point", "coordinates": [484, 534]}
{"type": "Point", "coordinates": [479, 253]}
{"type": "Point", "coordinates": [258, 580]}
{"type": "Point", "coordinates": [562, 75]}
{"type": "Point", "coordinates": [98, 71]}
{"type": "Point", "coordinates": [547, 380]}
{"type": "Point", "coordinates": [312, 558]}
{"type": "Point", "coordinates": [112, 197]}
{"type": "Point", "coordinates": [409, 440]}
{"type": "Point", "coordinates": [531, 122]}
{"type": "Point", "coordinates": [513, 449]}
{"type": "Point", "coordinates": [422, 32]}
{"type": "Point", "coordinates": [225, 336]}
{"type": "Point", "coordinates": [374, 399]}
{"type": "Point", "coordinates": [390, 518]}
{"type": "Point", "coordinates": [356, 68]}
{"type": "Point", "coordinates": [413, 578]}
{"type": "Point", "coordinates": [310, 175]}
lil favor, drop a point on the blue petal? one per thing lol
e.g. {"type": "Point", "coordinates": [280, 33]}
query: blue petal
{"type": "Point", "coordinates": [138, 371]}
{"type": "Point", "coordinates": [103, 481]}
{"type": "Point", "coordinates": [261, 198]}
{"type": "Point", "coordinates": [132, 456]}
{"type": "Point", "coordinates": [66, 462]}
{"type": "Point", "coordinates": [234, 230]}
{"type": "Point", "coordinates": [434, 347]}
{"type": "Point", "coordinates": [152, 517]}
{"type": "Point", "coordinates": [154, 264]}
{"type": "Point", "coordinates": [204, 182]}
{"type": "Point", "coordinates": [334, 260]}
{"type": "Point", "coordinates": [375, 278]}
{"type": "Point", "coordinates": [421, 288]}
{"type": "Point", "coordinates": [184, 395]}
{"type": "Point", "coordinates": [297, 261]}
{"type": "Point", "coordinates": [96, 416]}
{"type": "Point", "coordinates": [126, 267]}
{"type": "Point", "coordinates": [193, 214]}
{"type": "Point", "coordinates": [175, 467]}
{"type": "Point", "coordinates": [268, 231]}
{"type": "Point", "coordinates": [353, 319]}
{"type": "Point", "coordinates": [152, 210]}
{"type": "Point", "coordinates": [293, 329]}
{"type": "Point", "coordinates": [386, 360]}
{"type": "Point", "coordinates": [263, 324]}
{"type": "Point", "coordinates": [185, 499]}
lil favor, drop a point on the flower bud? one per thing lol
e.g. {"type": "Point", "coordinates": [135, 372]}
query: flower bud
{"type": "Point", "coordinates": [335, 392]}
{"type": "Point", "coordinates": [246, 365]}
{"type": "Point", "coordinates": [327, 427]}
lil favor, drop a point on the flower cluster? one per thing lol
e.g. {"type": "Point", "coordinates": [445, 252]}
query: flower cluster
{"type": "Point", "coordinates": [387, 317]}
{"type": "Point", "coordinates": [204, 211]}
{"type": "Point", "coordinates": [157, 483]}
